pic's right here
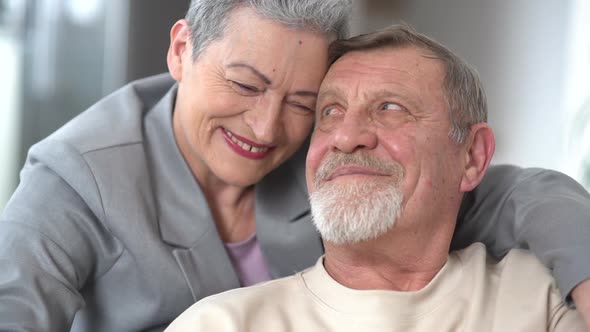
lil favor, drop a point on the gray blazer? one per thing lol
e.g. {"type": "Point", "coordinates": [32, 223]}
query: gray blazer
{"type": "Point", "coordinates": [109, 231]}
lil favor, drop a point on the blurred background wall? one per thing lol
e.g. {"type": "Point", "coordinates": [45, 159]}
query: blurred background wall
{"type": "Point", "coordinates": [57, 57]}
{"type": "Point", "coordinates": [533, 57]}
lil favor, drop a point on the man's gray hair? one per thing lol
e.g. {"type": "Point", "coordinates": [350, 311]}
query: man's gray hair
{"type": "Point", "coordinates": [463, 89]}
{"type": "Point", "coordinates": [208, 19]}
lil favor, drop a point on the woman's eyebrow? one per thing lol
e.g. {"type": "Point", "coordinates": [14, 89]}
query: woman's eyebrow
{"type": "Point", "coordinates": [252, 69]}
{"type": "Point", "coordinates": [305, 94]}
{"type": "Point", "coordinates": [267, 80]}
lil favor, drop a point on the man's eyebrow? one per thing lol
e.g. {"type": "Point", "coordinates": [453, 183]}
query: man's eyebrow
{"type": "Point", "coordinates": [383, 93]}
{"type": "Point", "coordinates": [334, 92]}
{"type": "Point", "coordinates": [387, 93]}
{"type": "Point", "coordinates": [252, 69]}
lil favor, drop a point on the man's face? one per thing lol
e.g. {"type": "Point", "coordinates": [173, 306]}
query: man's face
{"type": "Point", "coordinates": [248, 102]}
{"type": "Point", "coordinates": [385, 112]}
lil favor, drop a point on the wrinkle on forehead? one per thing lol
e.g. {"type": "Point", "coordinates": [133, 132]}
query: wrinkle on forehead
{"type": "Point", "coordinates": [359, 66]}
{"type": "Point", "coordinates": [407, 74]}
{"type": "Point", "coordinates": [421, 58]}
{"type": "Point", "coordinates": [360, 78]}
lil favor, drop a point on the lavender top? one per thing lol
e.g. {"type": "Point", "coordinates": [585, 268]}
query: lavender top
{"type": "Point", "coordinates": [248, 261]}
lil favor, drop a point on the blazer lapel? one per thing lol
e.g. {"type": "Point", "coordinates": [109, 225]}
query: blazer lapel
{"type": "Point", "coordinates": [184, 217]}
{"type": "Point", "coordinates": [288, 239]}
{"type": "Point", "coordinates": [206, 267]}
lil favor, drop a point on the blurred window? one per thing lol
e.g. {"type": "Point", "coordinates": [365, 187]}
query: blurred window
{"type": "Point", "coordinates": [577, 93]}
{"type": "Point", "coordinates": [11, 16]}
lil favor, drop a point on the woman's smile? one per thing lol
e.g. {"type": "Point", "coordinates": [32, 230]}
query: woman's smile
{"type": "Point", "coordinates": [245, 147]}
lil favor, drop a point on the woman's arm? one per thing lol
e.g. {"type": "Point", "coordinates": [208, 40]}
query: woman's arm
{"type": "Point", "coordinates": [542, 210]}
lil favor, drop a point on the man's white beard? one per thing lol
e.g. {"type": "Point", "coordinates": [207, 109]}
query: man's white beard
{"type": "Point", "coordinates": [357, 211]}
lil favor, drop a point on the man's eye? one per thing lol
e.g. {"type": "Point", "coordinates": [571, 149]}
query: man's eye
{"type": "Point", "coordinates": [392, 107]}
{"type": "Point", "coordinates": [329, 111]}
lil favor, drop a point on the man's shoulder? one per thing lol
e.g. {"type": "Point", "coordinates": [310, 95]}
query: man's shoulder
{"type": "Point", "coordinates": [517, 262]}
{"type": "Point", "coordinates": [278, 290]}
{"type": "Point", "coordinates": [234, 309]}
{"type": "Point", "coordinates": [115, 120]}
{"type": "Point", "coordinates": [519, 277]}
{"type": "Point", "coordinates": [498, 290]}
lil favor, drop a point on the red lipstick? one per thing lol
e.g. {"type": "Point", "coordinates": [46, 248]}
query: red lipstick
{"type": "Point", "coordinates": [244, 147]}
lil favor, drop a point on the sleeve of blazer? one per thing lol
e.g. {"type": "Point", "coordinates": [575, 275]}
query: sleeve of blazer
{"type": "Point", "coordinates": [541, 210]}
{"type": "Point", "coordinates": [51, 242]}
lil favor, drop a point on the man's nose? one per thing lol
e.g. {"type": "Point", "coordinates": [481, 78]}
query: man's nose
{"type": "Point", "coordinates": [355, 131]}
{"type": "Point", "coordinates": [264, 119]}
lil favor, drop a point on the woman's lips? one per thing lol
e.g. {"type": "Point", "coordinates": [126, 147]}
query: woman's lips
{"type": "Point", "coordinates": [245, 147]}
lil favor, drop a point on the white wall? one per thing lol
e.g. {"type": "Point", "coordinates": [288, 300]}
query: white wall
{"type": "Point", "coordinates": [519, 48]}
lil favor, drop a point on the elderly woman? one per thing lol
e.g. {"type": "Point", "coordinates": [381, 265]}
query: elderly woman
{"type": "Point", "coordinates": [171, 190]}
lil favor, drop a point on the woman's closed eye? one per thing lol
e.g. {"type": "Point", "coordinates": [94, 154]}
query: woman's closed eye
{"type": "Point", "coordinates": [244, 88]}
{"type": "Point", "coordinates": [302, 107]}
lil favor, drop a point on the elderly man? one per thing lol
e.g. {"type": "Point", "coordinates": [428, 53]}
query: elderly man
{"type": "Point", "coordinates": [400, 136]}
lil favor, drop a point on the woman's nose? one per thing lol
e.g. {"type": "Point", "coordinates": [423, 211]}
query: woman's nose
{"type": "Point", "coordinates": [264, 119]}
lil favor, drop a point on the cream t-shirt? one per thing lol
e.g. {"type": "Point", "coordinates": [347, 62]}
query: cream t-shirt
{"type": "Point", "coordinates": [472, 292]}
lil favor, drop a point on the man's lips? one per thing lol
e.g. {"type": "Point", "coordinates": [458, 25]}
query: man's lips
{"type": "Point", "coordinates": [347, 170]}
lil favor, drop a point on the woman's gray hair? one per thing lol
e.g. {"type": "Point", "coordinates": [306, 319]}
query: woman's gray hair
{"type": "Point", "coordinates": [463, 89]}
{"type": "Point", "coordinates": [208, 19]}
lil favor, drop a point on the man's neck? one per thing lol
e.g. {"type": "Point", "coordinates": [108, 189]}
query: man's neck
{"type": "Point", "coordinates": [397, 261]}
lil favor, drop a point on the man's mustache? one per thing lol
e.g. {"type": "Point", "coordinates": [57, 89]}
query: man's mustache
{"type": "Point", "coordinates": [364, 159]}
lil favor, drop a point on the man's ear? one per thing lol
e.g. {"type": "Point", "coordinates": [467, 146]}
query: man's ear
{"type": "Point", "coordinates": [179, 45]}
{"type": "Point", "coordinates": [479, 150]}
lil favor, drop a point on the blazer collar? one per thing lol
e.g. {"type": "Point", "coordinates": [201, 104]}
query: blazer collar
{"type": "Point", "coordinates": [283, 193]}
{"type": "Point", "coordinates": [286, 234]}
{"type": "Point", "coordinates": [183, 212]}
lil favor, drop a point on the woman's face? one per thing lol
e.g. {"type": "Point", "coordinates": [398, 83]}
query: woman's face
{"type": "Point", "coordinates": [248, 102]}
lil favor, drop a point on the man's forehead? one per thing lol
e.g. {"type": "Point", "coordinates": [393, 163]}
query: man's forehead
{"type": "Point", "coordinates": [389, 57]}
{"type": "Point", "coordinates": [384, 65]}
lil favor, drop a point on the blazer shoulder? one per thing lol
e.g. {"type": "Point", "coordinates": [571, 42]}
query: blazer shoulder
{"type": "Point", "coordinates": [117, 119]}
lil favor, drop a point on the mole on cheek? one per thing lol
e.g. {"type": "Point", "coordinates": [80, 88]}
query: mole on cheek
{"type": "Point", "coordinates": [300, 42]}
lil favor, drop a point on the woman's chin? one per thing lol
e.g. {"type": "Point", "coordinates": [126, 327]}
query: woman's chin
{"type": "Point", "coordinates": [244, 179]}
